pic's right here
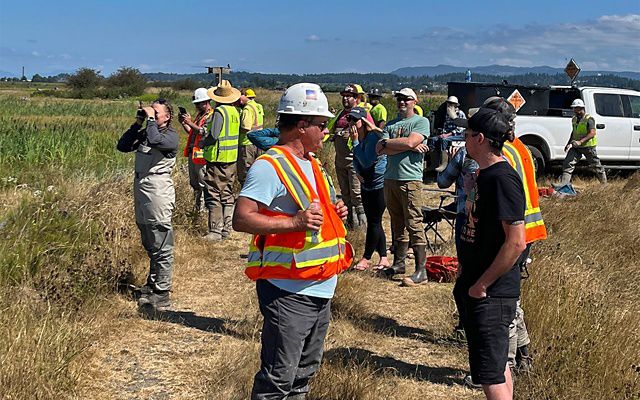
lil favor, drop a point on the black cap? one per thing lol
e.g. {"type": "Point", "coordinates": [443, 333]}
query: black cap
{"type": "Point", "coordinates": [358, 113]}
{"type": "Point", "coordinates": [491, 123]}
{"type": "Point", "coordinates": [374, 92]}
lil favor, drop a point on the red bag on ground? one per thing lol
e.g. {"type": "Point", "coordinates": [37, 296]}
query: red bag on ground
{"type": "Point", "coordinates": [441, 268]}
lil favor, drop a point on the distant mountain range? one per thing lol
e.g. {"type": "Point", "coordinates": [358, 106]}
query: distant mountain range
{"type": "Point", "coordinates": [501, 70]}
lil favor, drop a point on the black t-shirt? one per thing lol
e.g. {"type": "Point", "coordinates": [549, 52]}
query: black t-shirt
{"type": "Point", "coordinates": [497, 196]}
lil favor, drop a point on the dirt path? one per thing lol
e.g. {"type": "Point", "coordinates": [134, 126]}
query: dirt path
{"type": "Point", "coordinates": [396, 339]}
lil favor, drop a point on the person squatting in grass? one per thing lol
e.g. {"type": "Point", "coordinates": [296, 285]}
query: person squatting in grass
{"type": "Point", "coordinates": [156, 146]}
{"type": "Point", "coordinates": [298, 247]}
{"type": "Point", "coordinates": [491, 242]}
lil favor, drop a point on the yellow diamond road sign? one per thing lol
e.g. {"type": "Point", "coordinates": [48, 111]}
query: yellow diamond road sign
{"type": "Point", "coordinates": [572, 69]}
{"type": "Point", "coordinates": [516, 100]}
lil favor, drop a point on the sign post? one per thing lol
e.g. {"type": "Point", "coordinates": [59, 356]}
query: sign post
{"type": "Point", "coordinates": [219, 71]}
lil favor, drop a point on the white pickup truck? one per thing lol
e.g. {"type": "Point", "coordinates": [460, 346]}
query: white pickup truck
{"type": "Point", "coordinates": [545, 123]}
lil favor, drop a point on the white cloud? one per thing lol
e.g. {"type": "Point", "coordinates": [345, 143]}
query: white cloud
{"type": "Point", "coordinates": [312, 38]}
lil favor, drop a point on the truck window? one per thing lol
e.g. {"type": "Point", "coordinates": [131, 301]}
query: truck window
{"type": "Point", "coordinates": [631, 106]}
{"type": "Point", "coordinates": [608, 105]}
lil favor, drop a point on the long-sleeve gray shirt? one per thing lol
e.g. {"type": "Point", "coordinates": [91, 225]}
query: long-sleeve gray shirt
{"type": "Point", "coordinates": [164, 139]}
{"type": "Point", "coordinates": [211, 137]}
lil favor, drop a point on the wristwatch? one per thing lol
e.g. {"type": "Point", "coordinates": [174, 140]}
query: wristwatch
{"type": "Point", "coordinates": [151, 119]}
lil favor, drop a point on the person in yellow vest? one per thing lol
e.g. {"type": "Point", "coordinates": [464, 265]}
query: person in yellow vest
{"type": "Point", "coordinates": [195, 129]}
{"type": "Point", "coordinates": [352, 96]}
{"type": "Point", "coordinates": [298, 248]}
{"type": "Point", "coordinates": [220, 150]}
{"type": "Point", "coordinates": [418, 110]}
{"type": "Point", "coordinates": [582, 142]}
{"type": "Point", "coordinates": [251, 119]}
{"type": "Point", "coordinates": [378, 110]}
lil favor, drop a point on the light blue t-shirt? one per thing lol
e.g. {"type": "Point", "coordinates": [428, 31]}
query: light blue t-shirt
{"type": "Point", "coordinates": [263, 185]}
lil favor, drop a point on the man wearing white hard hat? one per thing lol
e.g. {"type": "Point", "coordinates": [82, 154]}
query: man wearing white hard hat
{"type": "Point", "coordinates": [298, 248]}
{"type": "Point", "coordinates": [404, 144]}
{"type": "Point", "coordinates": [195, 128]}
{"type": "Point", "coordinates": [582, 142]}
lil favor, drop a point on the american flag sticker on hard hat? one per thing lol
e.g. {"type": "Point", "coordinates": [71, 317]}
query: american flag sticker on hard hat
{"type": "Point", "coordinates": [311, 95]}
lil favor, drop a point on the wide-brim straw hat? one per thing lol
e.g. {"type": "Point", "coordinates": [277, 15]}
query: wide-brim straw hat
{"type": "Point", "coordinates": [224, 93]}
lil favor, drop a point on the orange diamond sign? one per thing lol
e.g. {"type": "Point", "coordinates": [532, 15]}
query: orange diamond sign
{"type": "Point", "coordinates": [516, 100]}
{"type": "Point", "coordinates": [572, 70]}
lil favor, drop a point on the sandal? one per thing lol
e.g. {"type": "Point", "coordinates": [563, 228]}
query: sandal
{"type": "Point", "coordinates": [359, 267]}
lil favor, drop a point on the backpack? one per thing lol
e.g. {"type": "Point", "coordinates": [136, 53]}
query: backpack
{"type": "Point", "coordinates": [442, 269]}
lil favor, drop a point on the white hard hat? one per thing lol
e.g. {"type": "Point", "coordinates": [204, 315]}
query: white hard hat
{"type": "Point", "coordinates": [453, 99]}
{"type": "Point", "coordinates": [304, 99]}
{"type": "Point", "coordinates": [577, 103]}
{"type": "Point", "coordinates": [200, 95]}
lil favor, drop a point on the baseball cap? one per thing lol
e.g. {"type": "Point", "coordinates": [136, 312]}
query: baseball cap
{"type": "Point", "coordinates": [491, 123]}
{"type": "Point", "coordinates": [407, 92]}
{"type": "Point", "coordinates": [352, 89]}
{"type": "Point", "coordinates": [358, 113]}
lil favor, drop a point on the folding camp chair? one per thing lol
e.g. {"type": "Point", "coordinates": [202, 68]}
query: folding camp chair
{"type": "Point", "coordinates": [432, 216]}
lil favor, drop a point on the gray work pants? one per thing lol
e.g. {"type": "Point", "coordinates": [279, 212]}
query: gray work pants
{"type": "Point", "coordinates": [154, 202]}
{"type": "Point", "coordinates": [197, 183]}
{"type": "Point", "coordinates": [347, 177]}
{"type": "Point", "coordinates": [247, 155]}
{"type": "Point", "coordinates": [292, 339]}
{"type": "Point", "coordinates": [574, 155]}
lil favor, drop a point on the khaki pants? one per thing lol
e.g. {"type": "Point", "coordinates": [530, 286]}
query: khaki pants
{"type": "Point", "coordinates": [403, 203]}
{"type": "Point", "coordinates": [518, 335]}
{"type": "Point", "coordinates": [347, 178]}
{"type": "Point", "coordinates": [574, 155]}
{"type": "Point", "coordinates": [219, 181]}
{"type": "Point", "coordinates": [247, 155]}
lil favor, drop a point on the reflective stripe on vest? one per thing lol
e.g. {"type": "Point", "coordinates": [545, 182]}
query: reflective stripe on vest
{"type": "Point", "coordinates": [520, 159]}
{"type": "Point", "coordinates": [225, 150]}
{"type": "Point", "coordinates": [580, 131]}
{"type": "Point", "coordinates": [300, 255]}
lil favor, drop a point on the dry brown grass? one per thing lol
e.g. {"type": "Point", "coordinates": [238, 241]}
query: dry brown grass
{"type": "Point", "coordinates": [65, 333]}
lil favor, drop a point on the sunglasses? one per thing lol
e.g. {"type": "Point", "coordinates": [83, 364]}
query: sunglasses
{"type": "Point", "coordinates": [321, 125]}
{"type": "Point", "coordinates": [404, 99]}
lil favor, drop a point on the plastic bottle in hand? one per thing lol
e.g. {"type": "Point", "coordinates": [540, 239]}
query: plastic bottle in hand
{"type": "Point", "coordinates": [315, 205]}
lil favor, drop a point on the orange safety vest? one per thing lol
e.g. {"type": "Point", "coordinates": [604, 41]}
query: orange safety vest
{"type": "Point", "coordinates": [194, 137]}
{"type": "Point", "coordinates": [305, 255]}
{"type": "Point", "coordinates": [518, 155]}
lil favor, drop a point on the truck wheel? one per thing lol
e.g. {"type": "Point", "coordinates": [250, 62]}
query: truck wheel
{"type": "Point", "coordinates": [539, 162]}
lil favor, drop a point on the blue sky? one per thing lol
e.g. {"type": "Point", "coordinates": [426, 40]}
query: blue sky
{"type": "Point", "coordinates": [49, 37]}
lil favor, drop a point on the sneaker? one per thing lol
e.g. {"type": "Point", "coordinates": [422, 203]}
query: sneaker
{"type": "Point", "coordinates": [156, 300]}
{"type": "Point", "coordinates": [524, 365]}
{"type": "Point", "coordinates": [468, 382]}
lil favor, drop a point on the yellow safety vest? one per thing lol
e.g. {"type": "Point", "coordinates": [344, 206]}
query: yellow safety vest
{"type": "Point", "coordinates": [225, 150]}
{"type": "Point", "coordinates": [258, 121]}
{"type": "Point", "coordinates": [580, 131]}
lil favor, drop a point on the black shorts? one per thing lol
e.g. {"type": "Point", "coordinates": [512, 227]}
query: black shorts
{"type": "Point", "coordinates": [487, 328]}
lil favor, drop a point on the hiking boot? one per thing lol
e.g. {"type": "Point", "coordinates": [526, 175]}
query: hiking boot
{"type": "Point", "coordinates": [420, 276]}
{"type": "Point", "coordinates": [399, 257]}
{"type": "Point", "coordinates": [142, 291]}
{"type": "Point", "coordinates": [362, 220]}
{"type": "Point", "coordinates": [524, 365]}
{"type": "Point", "coordinates": [158, 300]}
{"type": "Point", "coordinates": [468, 382]}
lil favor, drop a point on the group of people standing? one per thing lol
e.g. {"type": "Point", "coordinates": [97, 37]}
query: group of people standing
{"type": "Point", "coordinates": [299, 223]}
